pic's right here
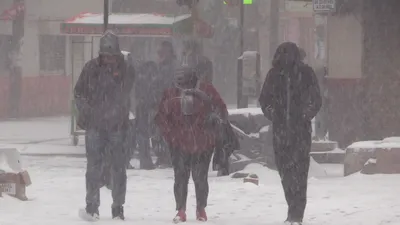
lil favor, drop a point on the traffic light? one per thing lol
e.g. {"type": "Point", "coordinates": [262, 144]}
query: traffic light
{"type": "Point", "coordinates": [188, 3]}
{"type": "Point", "coordinates": [237, 2]}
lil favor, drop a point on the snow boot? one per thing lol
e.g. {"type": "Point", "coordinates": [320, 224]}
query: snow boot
{"type": "Point", "coordinates": [201, 215]}
{"type": "Point", "coordinates": [180, 217]}
{"type": "Point", "coordinates": [287, 222]}
{"type": "Point", "coordinates": [118, 213]}
{"type": "Point", "coordinates": [90, 213]}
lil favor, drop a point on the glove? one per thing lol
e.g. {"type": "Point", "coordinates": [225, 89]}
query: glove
{"type": "Point", "coordinates": [198, 93]}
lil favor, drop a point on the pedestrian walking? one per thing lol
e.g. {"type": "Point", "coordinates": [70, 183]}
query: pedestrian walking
{"type": "Point", "coordinates": [186, 121]}
{"type": "Point", "coordinates": [103, 102]}
{"type": "Point", "coordinates": [290, 98]}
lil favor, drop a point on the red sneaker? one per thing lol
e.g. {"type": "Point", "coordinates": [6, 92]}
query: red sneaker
{"type": "Point", "coordinates": [201, 215]}
{"type": "Point", "coordinates": [180, 217]}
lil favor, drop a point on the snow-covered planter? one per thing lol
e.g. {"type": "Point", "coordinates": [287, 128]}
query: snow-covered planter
{"type": "Point", "coordinates": [388, 160]}
{"type": "Point", "coordinates": [385, 153]}
{"type": "Point", "coordinates": [323, 146]}
{"type": "Point", "coordinates": [357, 154]}
{"type": "Point", "coordinates": [13, 179]}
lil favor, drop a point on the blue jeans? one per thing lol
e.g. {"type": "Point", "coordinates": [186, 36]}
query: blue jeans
{"type": "Point", "coordinates": [105, 151]}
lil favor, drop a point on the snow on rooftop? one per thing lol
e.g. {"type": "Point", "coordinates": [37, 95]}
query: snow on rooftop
{"type": "Point", "coordinates": [92, 18]}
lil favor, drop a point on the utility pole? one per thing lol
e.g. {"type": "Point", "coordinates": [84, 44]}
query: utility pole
{"type": "Point", "coordinates": [105, 16]}
{"type": "Point", "coordinates": [274, 27]}
{"type": "Point", "coordinates": [242, 101]}
{"type": "Point", "coordinates": [195, 17]}
{"type": "Point", "coordinates": [16, 67]}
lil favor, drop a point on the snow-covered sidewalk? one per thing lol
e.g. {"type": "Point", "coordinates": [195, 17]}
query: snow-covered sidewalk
{"type": "Point", "coordinates": [36, 130]}
{"type": "Point", "coordinates": [58, 191]}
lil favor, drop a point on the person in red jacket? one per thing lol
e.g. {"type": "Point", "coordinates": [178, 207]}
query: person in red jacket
{"type": "Point", "coordinates": [188, 115]}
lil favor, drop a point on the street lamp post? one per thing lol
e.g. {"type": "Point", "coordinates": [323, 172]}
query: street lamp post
{"type": "Point", "coordinates": [242, 101]}
{"type": "Point", "coordinates": [106, 12]}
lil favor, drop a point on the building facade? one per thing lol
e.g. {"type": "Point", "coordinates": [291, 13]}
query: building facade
{"type": "Point", "coordinates": [364, 65]}
{"type": "Point", "coordinates": [45, 84]}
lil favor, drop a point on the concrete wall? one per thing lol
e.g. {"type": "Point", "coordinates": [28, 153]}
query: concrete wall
{"type": "Point", "coordinates": [344, 102]}
{"type": "Point", "coordinates": [382, 68]}
{"type": "Point", "coordinates": [364, 105]}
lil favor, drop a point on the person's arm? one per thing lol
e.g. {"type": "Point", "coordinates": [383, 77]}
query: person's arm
{"type": "Point", "coordinates": [209, 71]}
{"type": "Point", "coordinates": [217, 101]}
{"type": "Point", "coordinates": [314, 103]}
{"type": "Point", "coordinates": [130, 79]}
{"type": "Point", "coordinates": [267, 96]}
{"type": "Point", "coordinates": [81, 94]}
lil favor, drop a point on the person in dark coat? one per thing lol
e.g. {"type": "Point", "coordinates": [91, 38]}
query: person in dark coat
{"type": "Point", "coordinates": [102, 99]}
{"type": "Point", "coordinates": [184, 118]}
{"type": "Point", "coordinates": [166, 77]}
{"type": "Point", "coordinates": [146, 98]}
{"type": "Point", "coordinates": [290, 98]}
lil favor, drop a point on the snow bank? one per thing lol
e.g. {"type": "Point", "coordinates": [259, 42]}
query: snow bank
{"type": "Point", "coordinates": [316, 170]}
{"type": "Point", "coordinates": [266, 174]}
{"type": "Point", "coordinates": [246, 111]}
{"type": "Point", "coordinates": [387, 143]}
{"type": "Point", "coordinates": [46, 150]}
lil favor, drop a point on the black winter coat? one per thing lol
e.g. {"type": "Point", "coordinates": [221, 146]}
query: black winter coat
{"type": "Point", "coordinates": [102, 96]}
{"type": "Point", "coordinates": [290, 99]}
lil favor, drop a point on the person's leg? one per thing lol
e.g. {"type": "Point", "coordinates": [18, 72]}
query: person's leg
{"type": "Point", "coordinates": [117, 158]}
{"type": "Point", "coordinates": [181, 164]}
{"type": "Point", "coordinates": [95, 149]}
{"type": "Point", "coordinates": [143, 140]}
{"type": "Point", "coordinates": [301, 160]}
{"type": "Point", "coordinates": [130, 143]}
{"type": "Point", "coordinates": [200, 167]}
{"type": "Point", "coordinates": [283, 166]}
{"type": "Point", "coordinates": [163, 158]}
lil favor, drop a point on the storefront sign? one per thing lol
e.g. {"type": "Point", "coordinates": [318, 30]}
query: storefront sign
{"type": "Point", "coordinates": [324, 6]}
{"type": "Point", "coordinates": [85, 29]}
{"type": "Point", "coordinates": [298, 6]}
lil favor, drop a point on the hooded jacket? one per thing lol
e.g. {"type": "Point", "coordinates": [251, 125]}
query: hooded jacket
{"type": "Point", "coordinates": [290, 96]}
{"type": "Point", "coordinates": [102, 92]}
{"type": "Point", "coordinates": [189, 132]}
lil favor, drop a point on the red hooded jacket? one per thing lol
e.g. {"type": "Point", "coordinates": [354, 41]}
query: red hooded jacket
{"type": "Point", "coordinates": [188, 133]}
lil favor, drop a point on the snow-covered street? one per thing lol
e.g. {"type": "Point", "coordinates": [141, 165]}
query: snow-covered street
{"type": "Point", "coordinates": [58, 191]}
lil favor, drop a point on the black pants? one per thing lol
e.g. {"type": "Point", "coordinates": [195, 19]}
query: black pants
{"type": "Point", "coordinates": [183, 164]}
{"type": "Point", "coordinates": [130, 142]}
{"type": "Point", "coordinates": [292, 158]}
{"type": "Point", "coordinates": [143, 138]}
{"type": "Point", "coordinates": [161, 151]}
{"type": "Point", "coordinates": [105, 151]}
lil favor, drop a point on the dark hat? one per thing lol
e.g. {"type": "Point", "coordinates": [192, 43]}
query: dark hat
{"type": "Point", "coordinates": [109, 44]}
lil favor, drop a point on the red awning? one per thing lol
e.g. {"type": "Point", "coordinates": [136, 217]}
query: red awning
{"type": "Point", "coordinates": [13, 12]}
